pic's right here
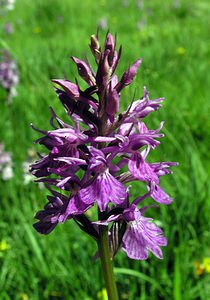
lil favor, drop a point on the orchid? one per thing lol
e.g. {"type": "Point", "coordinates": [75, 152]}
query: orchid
{"type": "Point", "coordinates": [92, 160]}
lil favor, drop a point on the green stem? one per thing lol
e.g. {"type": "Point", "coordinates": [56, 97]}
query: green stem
{"type": "Point", "coordinates": [106, 263]}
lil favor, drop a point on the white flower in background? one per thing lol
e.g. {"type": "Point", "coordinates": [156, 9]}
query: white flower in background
{"type": "Point", "coordinates": [10, 4]}
{"type": "Point", "coordinates": [27, 176]}
{"type": "Point", "coordinates": [141, 24]}
{"type": "Point", "coordinates": [7, 4]}
{"type": "Point", "coordinates": [6, 170]}
{"type": "Point", "coordinates": [177, 4]}
{"type": "Point", "coordinates": [140, 4]}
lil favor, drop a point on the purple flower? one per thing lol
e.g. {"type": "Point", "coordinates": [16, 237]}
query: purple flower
{"type": "Point", "coordinates": [8, 74]}
{"type": "Point", "coordinates": [142, 107]}
{"type": "Point", "coordinates": [128, 75]}
{"type": "Point", "coordinates": [90, 162]}
{"type": "Point", "coordinates": [104, 187]}
{"type": "Point", "coordinates": [141, 235]}
{"type": "Point", "coordinates": [8, 28]}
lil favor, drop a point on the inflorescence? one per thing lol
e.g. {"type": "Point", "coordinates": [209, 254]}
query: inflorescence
{"type": "Point", "coordinates": [93, 162]}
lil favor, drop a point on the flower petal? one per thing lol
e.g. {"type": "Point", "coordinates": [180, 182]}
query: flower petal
{"type": "Point", "coordinates": [160, 196]}
{"type": "Point", "coordinates": [128, 75]}
{"type": "Point", "coordinates": [104, 189]}
{"type": "Point", "coordinates": [142, 236]}
{"type": "Point", "coordinates": [140, 169]}
{"type": "Point", "coordinates": [134, 244]}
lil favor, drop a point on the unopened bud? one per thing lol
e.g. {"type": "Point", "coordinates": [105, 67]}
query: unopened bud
{"type": "Point", "coordinates": [84, 70]}
{"type": "Point", "coordinates": [110, 45]}
{"type": "Point", "coordinates": [95, 47]}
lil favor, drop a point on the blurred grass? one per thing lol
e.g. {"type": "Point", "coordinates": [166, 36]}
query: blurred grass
{"type": "Point", "coordinates": [175, 47]}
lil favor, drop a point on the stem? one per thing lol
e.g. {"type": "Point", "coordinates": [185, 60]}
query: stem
{"type": "Point", "coordinates": [106, 263]}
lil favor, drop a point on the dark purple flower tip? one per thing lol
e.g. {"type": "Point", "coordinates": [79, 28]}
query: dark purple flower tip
{"type": "Point", "coordinates": [128, 75]}
{"type": "Point", "coordinates": [104, 71]}
{"type": "Point", "coordinates": [80, 108]}
{"type": "Point", "coordinates": [48, 218]}
{"type": "Point", "coordinates": [58, 210]}
{"type": "Point", "coordinates": [84, 71]}
{"type": "Point", "coordinates": [110, 45]}
{"type": "Point", "coordinates": [44, 227]}
{"type": "Point", "coordinates": [71, 88]}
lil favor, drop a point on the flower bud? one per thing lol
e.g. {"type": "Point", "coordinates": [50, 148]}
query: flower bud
{"type": "Point", "coordinates": [113, 103]}
{"type": "Point", "coordinates": [95, 47]}
{"type": "Point", "coordinates": [84, 70]}
{"type": "Point", "coordinates": [110, 45]}
{"type": "Point", "coordinates": [71, 88]}
{"type": "Point", "coordinates": [129, 75]}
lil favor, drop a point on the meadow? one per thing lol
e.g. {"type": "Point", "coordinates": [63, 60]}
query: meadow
{"type": "Point", "coordinates": [172, 37]}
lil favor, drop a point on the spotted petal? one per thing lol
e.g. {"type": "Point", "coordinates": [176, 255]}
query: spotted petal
{"type": "Point", "coordinates": [104, 189]}
{"type": "Point", "coordinates": [142, 236]}
{"type": "Point", "coordinates": [160, 196]}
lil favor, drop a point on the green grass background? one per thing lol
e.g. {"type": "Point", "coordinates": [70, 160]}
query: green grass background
{"type": "Point", "coordinates": [175, 47]}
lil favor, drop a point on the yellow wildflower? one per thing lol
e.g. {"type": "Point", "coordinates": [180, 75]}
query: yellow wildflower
{"type": "Point", "coordinates": [102, 295]}
{"type": "Point", "coordinates": [206, 264]}
{"type": "Point", "coordinates": [37, 30]}
{"type": "Point", "coordinates": [4, 245]}
{"type": "Point", "coordinates": [24, 296]}
{"type": "Point", "coordinates": [180, 50]}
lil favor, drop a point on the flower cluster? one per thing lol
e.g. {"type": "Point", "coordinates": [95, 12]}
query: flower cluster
{"type": "Point", "coordinates": [6, 170]}
{"type": "Point", "coordinates": [93, 162]}
{"type": "Point", "coordinates": [8, 74]}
